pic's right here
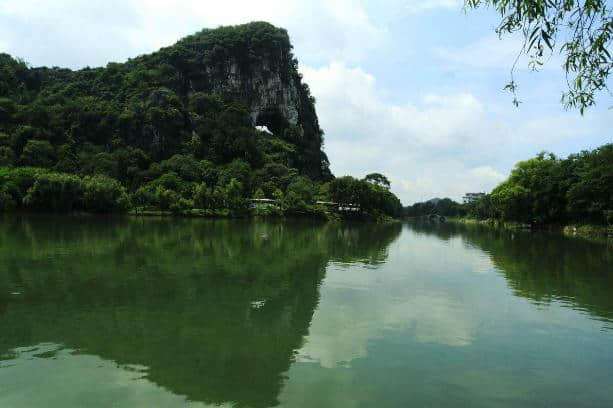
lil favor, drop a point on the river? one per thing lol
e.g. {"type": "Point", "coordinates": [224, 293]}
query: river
{"type": "Point", "coordinates": [140, 312]}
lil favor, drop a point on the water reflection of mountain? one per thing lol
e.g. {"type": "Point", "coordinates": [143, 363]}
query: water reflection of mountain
{"type": "Point", "coordinates": [215, 310]}
{"type": "Point", "coordinates": [543, 266]}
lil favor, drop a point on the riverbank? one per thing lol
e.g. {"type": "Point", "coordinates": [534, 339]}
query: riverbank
{"type": "Point", "coordinates": [321, 215]}
{"type": "Point", "coordinates": [587, 231]}
{"type": "Point", "coordinates": [226, 214]}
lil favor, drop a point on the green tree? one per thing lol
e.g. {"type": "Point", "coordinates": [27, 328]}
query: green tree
{"type": "Point", "coordinates": [532, 191]}
{"type": "Point", "coordinates": [185, 166]}
{"type": "Point", "coordinates": [17, 180]}
{"type": "Point", "coordinates": [171, 181]}
{"type": "Point", "coordinates": [207, 198]}
{"type": "Point", "coordinates": [591, 193]}
{"type": "Point", "coordinates": [7, 156]}
{"type": "Point", "coordinates": [546, 189]}
{"type": "Point", "coordinates": [581, 30]}
{"type": "Point", "coordinates": [238, 170]}
{"type": "Point", "coordinates": [104, 194]}
{"type": "Point", "coordinates": [259, 194]}
{"type": "Point", "coordinates": [5, 139]}
{"type": "Point", "coordinates": [344, 190]}
{"type": "Point", "coordinates": [6, 199]}
{"type": "Point", "coordinates": [371, 198]}
{"type": "Point", "coordinates": [68, 160]}
{"type": "Point", "coordinates": [55, 191]}
{"type": "Point", "coordinates": [293, 203]}
{"type": "Point", "coordinates": [159, 127]}
{"type": "Point", "coordinates": [102, 163]}
{"type": "Point", "coordinates": [512, 202]}
{"type": "Point", "coordinates": [277, 195]}
{"type": "Point", "coordinates": [378, 179]}
{"type": "Point", "coordinates": [167, 199]}
{"type": "Point", "coordinates": [38, 153]}
{"type": "Point", "coordinates": [233, 194]}
{"type": "Point", "coordinates": [304, 188]}
{"type": "Point", "coordinates": [21, 135]}
{"type": "Point", "coordinates": [481, 209]}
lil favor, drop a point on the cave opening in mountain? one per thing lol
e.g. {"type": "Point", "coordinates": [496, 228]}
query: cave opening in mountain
{"type": "Point", "coordinates": [273, 119]}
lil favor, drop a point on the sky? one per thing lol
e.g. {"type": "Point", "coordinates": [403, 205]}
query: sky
{"type": "Point", "coordinates": [408, 88]}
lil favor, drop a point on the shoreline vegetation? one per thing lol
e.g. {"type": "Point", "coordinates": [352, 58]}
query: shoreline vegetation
{"type": "Point", "coordinates": [222, 118]}
{"type": "Point", "coordinates": [199, 128]}
{"type": "Point", "coordinates": [589, 231]}
{"type": "Point", "coordinates": [572, 195]}
{"type": "Point", "coordinates": [33, 190]}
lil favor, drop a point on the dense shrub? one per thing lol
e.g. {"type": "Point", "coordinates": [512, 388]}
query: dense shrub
{"type": "Point", "coordinates": [161, 132]}
{"type": "Point", "coordinates": [38, 153]}
{"type": "Point", "coordinates": [547, 189]}
{"type": "Point", "coordinates": [208, 198]}
{"type": "Point", "coordinates": [40, 189]}
{"type": "Point", "coordinates": [370, 197]}
{"type": "Point", "coordinates": [104, 194]}
{"type": "Point", "coordinates": [54, 191]}
{"type": "Point", "coordinates": [6, 200]}
{"type": "Point", "coordinates": [233, 196]}
{"type": "Point", "coordinates": [139, 120]}
{"type": "Point", "coordinates": [16, 181]}
{"type": "Point", "coordinates": [7, 156]}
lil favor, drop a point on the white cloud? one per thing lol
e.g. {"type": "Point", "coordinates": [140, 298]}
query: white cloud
{"type": "Point", "coordinates": [444, 141]}
{"type": "Point", "coordinates": [428, 314]}
{"type": "Point", "coordinates": [438, 144]}
{"type": "Point", "coordinates": [124, 385]}
{"type": "Point", "coordinates": [492, 52]}
{"type": "Point", "coordinates": [324, 30]}
{"type": "Point", "coordinates": [348, 96]}
{"type": "Point", "coordinates": [487, 173]}
{"type": "Point", "coordinates": [78, 34]}
{"type": "Point", "coordinates": [420, 6]}
{"type": "Point", "coordinates": [487, 52]}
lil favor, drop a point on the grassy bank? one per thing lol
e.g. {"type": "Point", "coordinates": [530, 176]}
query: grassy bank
{"type": "Point", "coordinates": [321, 214]}
{"type": "Point", "coordinates": [588, 230]}
{"type": "Point", "coordinates": [583, 230]}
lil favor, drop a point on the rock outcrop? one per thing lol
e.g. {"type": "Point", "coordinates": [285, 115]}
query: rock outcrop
{"type": "Point", "coordinates": [253, 63]}
{"type": "Point", "coordinates": [196, 96]}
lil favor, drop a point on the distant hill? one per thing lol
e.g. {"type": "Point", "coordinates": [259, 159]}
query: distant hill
{"type": "Point", "coordinates": [434, 206]}
{"type": "Point", "coordinates": [199, 127]}
{"type": "Point", "coordinates": [202, 96]}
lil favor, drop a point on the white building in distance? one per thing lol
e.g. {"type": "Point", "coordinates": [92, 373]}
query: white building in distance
{"type": "Point", "coordinates": [471, 197]}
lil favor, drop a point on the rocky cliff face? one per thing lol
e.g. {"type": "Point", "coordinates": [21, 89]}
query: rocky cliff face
{"type": "Point", "coordinates": [262, 90]}
{"type": "Point", "coordinates": [253, 63]}
{"type": "Point", "coordinates": [197, 97]}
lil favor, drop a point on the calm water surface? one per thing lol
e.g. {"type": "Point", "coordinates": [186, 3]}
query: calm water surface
{"type": "Point", "coordinates": [125, 312]}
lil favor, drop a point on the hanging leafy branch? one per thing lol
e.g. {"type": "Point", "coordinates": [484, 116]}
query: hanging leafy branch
{"type": "Point", "coordinates": [582, 30]}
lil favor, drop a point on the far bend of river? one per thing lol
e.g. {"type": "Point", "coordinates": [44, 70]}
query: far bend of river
{"type": "Point", "coordinates": [135, 312]}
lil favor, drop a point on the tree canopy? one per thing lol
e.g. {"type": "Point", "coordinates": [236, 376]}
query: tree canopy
{"type": "Point", "coordinates": [175, 130]}
{"type": "Point", "coordinates": [582, 30]}
{"type": "Point", "coordinates": [542, 190]}
{"type": "Point", "coordinates": [547, 189]}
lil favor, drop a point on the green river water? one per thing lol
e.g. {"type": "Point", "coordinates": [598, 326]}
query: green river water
{"type": "Point", "coordinates": [146, 312]}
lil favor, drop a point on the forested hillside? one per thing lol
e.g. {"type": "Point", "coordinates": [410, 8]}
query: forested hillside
{"type": "Point", "coordinates": [180, 128]}
{"type": "Point", "coordinates": [543, 190]}
{"type": "Point", "coordinates": [547, 189]}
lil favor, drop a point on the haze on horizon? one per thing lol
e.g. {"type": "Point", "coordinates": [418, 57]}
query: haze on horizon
{"type": "Point", "coordinates": [408, 88]}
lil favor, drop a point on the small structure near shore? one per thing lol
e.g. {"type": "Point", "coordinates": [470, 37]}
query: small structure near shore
{"type": "Point", "coordinates": [272, 203]}
{"type": "Point", "coordinates": [264, 203]}
{"type": "Point", "coordinates": [349, 208]}
{"type": "Point", "coordinates": [343, 207]}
